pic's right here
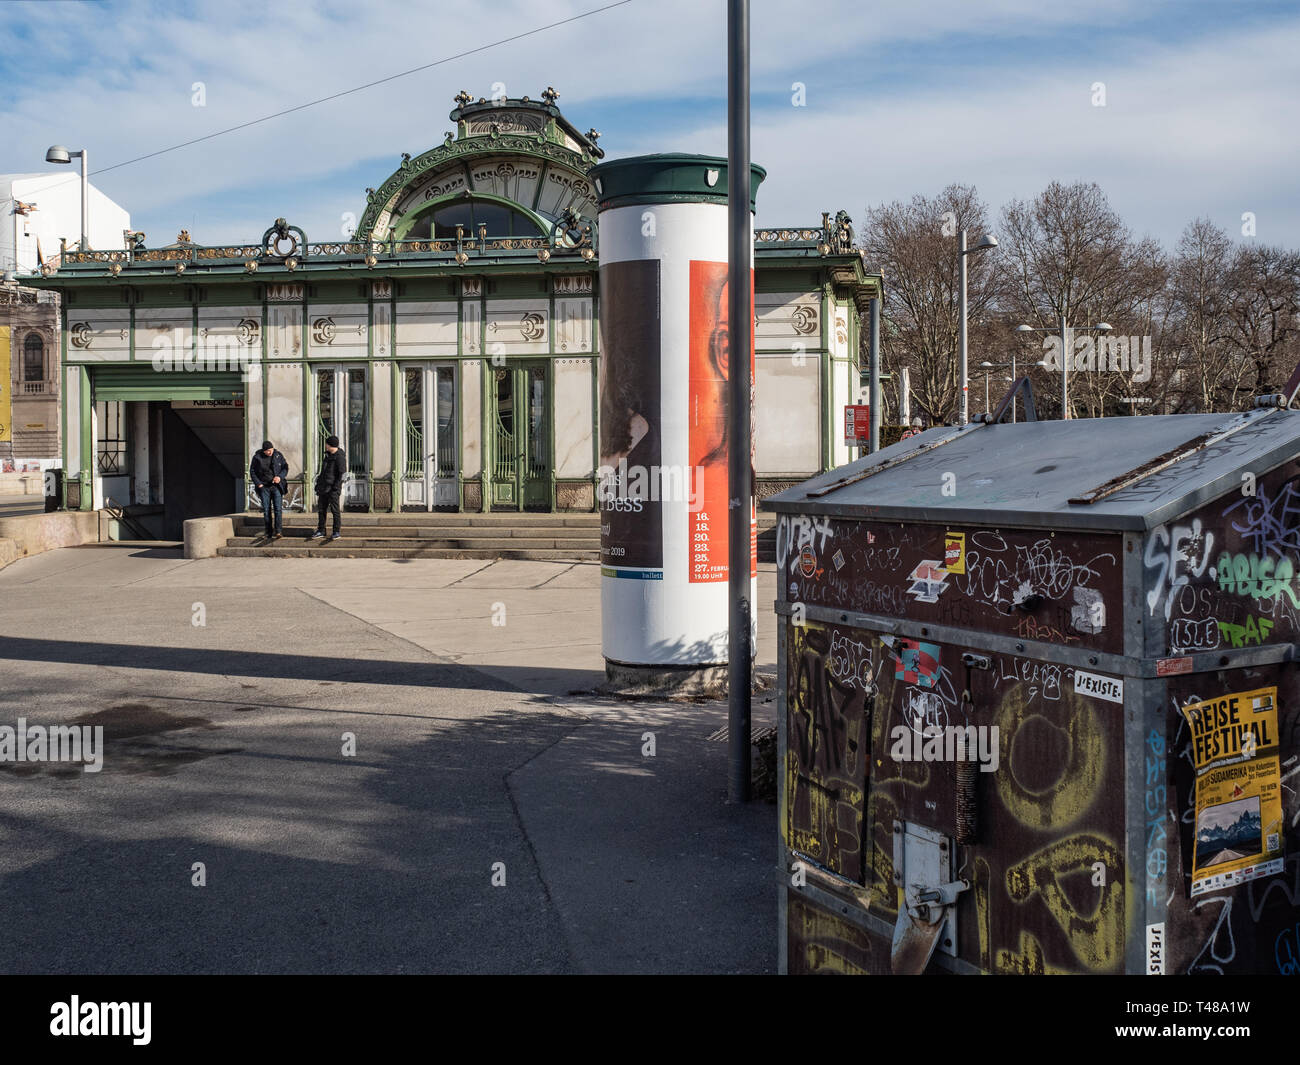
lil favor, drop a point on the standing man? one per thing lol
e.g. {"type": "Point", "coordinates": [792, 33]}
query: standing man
{"type": "Point", "coordinates": [329, 483]}
{"type": "Point", "coordinates": [269, 471]}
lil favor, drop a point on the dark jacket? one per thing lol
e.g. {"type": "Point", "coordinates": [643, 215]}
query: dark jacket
{"type": "Point", "coordinates": [262, 469]}
{"type": "Point", "coordinates": [332, 470]}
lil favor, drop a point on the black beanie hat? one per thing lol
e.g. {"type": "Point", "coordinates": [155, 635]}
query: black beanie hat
{"type": "Point", "coordinates": [331, 441]}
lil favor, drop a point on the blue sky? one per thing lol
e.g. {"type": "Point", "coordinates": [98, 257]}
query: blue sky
{"type": "Point", "coordinates": [1202, 100]}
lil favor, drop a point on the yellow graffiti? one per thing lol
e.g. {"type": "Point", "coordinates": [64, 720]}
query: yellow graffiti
{"type": "Point", "coordinates": [1097, 939]}
{"type": "Point", "coordinates": [834, 800]}
{"type": "Point", "coordinates": [1066, 798]}
{"type": "Point", "coordinates": [982, 881]}
{"type": "Point", "coordinates": [827, 941]}
{"type": "Point", "coordinates": [1029, 961]}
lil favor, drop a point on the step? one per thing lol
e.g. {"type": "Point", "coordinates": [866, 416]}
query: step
{"type": "Point", "coordinates": [433, 532]}
{"type": "Point", "coordinates": [434, 519]}
{"type": "Point", "coordinates": [469, 543]}
{"type": "Point", "coordinates": [334, 550]}
{"type": "Point", "coordinates": [424, 519]}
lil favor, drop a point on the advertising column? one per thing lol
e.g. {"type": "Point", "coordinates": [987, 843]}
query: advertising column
{"type": "Point", "coordinates": [662, 480]}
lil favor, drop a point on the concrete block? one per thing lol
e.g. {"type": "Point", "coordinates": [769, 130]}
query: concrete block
{"type": "Point", "coordinates": [9, 550]}
{"type": "Point", "coordinates": [204, 535]}
{"type": "Point", "coordinates": [35, 533]}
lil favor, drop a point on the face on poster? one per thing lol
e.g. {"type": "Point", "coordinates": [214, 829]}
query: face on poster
{"type": "Point", "coordinates": [710, 362]}
{"type": "Point", "coordinates": [631, 522]}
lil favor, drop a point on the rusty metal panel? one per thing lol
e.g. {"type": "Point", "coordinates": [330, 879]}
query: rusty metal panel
{"type": "Point", "coordinates": [1224, 576]}
{"type": "Point", "coordinates": [827, 714]}
{"type": "Point", "coordinates": [821, 942]}
{"type": "Point", "coordinates": [1034, 585]}
{"type": "Point", "coordinates": [1253, 927]}
{"type": "Point", "coordinates": [1047, 865]}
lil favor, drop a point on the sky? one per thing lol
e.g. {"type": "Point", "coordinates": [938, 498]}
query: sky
{"type": "Point", "coordinates": [1177, 110]}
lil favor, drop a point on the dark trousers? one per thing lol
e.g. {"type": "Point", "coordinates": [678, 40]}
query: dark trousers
{"type": "Point", "coordinates": [271, 507]}
{"type": "Point", "coordinates": [328, 501]}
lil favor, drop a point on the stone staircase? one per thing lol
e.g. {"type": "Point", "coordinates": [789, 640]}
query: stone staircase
{"type": "Point", "coordinates": [574, 537]}
{"type": "Point", "coordinates": [537, 537]}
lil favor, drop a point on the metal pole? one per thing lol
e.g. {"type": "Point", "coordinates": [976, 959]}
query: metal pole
{"type": "Point", "coordinates": [740, 325]}
{"type": "Point", "coordinates": [905, 396]}
{"type": "Point", "coordinates": [1014, 379]}
{"type": "Point", "coordinates": [986, 391]}
{"type": "Point", "coordinates": [1065, 368]}
{"type": "Point", "coordinates": [961, 328]}
{"type": "Point", "coordinates": [85, 240]}
{"type": "Point", "coordinates": [873, 362]}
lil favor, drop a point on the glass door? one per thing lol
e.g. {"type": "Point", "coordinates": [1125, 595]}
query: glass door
{"type": "Point", "coordinates": [430, 474]}
{"type": "Point", "coordinates": [521, 467]}
{"type": "Point", "coordinates": [341, 404]}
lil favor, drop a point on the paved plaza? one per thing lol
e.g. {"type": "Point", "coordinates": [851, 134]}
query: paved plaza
{"type": "Point", "coordinates": [475, 744]}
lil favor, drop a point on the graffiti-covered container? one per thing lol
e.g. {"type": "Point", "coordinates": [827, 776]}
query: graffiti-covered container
{"type": "Point", "coordinates": [662, 477]}
{"type": "Point", "coordinates": [1039, 709]}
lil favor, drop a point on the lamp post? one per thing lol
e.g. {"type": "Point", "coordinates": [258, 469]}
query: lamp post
{"type": "Point", "coordinates": [962, 252]}
{"type": "Point", "coordinates": [986, 367]}
{"type": "Point", "coordinates": [740, 487]}
{"type": "Point", "coordinates": [1066, 333]}
{"type": "Point", "coordinates": [59, 154]}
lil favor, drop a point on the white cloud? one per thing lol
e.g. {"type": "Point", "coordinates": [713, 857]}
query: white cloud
{"type": "Point", "coordinates": [987, 94]}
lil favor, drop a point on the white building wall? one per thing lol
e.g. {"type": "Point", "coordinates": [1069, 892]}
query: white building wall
{"type": "Point", "coordinates": [471, 418]}
{"type": "Point", "coordinates": [284, 413]}
{"type": "Point", "coordinates": [573, 418]}
{"type": "Point", "coordinates": [57, 199]}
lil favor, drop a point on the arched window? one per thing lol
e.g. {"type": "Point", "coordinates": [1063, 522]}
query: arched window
{"type": "Point", "coordinates": [33, 358]}
{"type": "Point", "coordinates": [501, 221]}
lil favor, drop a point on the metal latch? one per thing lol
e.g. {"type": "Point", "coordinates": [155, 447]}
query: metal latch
{"type": "Point", "coordinates": [930, 904]}
{"type": "Point", "coordinates": [927, 913]}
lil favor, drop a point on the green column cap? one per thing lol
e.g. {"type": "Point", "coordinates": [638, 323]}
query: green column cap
{"type": "Point", "coordinates": [673, 177]}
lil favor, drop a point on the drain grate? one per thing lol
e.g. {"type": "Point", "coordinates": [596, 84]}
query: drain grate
{"type": "Point", "coordinates": [756, 733]}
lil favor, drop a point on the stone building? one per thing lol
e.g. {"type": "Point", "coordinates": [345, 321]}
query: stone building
{"type": "Point", "coordinates": [451, 341]}
{"type": "Point", "coordinates": [32, 320]}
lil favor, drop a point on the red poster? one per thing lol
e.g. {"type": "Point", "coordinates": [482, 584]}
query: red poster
{"type": "Point", "coordinates": [707, 422]}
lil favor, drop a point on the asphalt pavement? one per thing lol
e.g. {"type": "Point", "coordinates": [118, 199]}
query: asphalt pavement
{"type": "Point", "coordinates": [345, 765]}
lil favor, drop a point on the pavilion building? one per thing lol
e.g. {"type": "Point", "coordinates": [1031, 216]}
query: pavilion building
{"type": "Point", "coordinates": [451, 342]}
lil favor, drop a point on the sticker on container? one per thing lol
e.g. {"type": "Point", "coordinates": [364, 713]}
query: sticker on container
{"type": "Point", "coordinates": [927, 581]}
{"type": "Point", "coordinates": [1099, 687]}
{"type": "Point", "coordinates": [916, 662]}
{"type": "Point", "coordinates": [838, 559]}
{"type": "Point", "coordinates": [1169, 667]}
{"type": "Point", "coordinates": [807, 562]}
{"type": "Point", "coordinates": [1238, 831]}
{"type": "Point", "coordinates": [1156, 949]}
{"type": "Point", "coordinates": [954, 552]}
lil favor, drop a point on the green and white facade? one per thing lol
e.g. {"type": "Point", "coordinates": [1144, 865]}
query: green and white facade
{"type": "Point", "coordinates": [452, 341]}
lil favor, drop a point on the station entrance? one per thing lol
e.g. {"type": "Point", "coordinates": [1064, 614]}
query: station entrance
{"type": "Point", "coordinates": [164, 447]}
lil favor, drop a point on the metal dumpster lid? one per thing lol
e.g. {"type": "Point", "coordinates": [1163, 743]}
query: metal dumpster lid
{"type": "Point", "coordinates": [1136, 472]}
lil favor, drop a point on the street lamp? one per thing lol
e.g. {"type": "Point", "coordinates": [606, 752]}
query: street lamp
{"type": "Point", "coordinates": [987, 241]}
{"type": "Point", "coordinates": [986, 367]}
{"type": "Point", "coordinates": [1066, 333]}
{"type": "Point", "coordinates": [60, 154]}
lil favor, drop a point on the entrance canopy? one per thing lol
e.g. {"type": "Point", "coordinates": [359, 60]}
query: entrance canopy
{"type": "Point", "coordinates": [141, 383]}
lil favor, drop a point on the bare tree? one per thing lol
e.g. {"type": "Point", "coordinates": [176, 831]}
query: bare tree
{"type": "Point", "coordinates": [915, 244]}
{"type": "Point", "coordinates": [1067, 253]}
{"type": "Point", "coordinates": [1262, 290]}
{"type": "Point", "coordinates": [1209, 370]}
